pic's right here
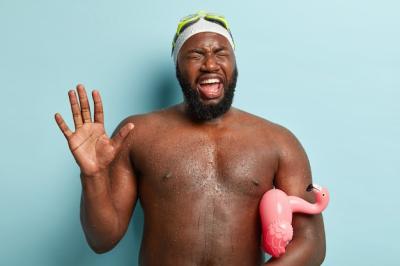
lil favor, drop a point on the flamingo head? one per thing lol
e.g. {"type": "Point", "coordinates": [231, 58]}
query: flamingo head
{"type": "Point", "coordinates": [321, 195]}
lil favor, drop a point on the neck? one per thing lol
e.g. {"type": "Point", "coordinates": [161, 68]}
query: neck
{"type": "Point", "coordinates": [184, 109]}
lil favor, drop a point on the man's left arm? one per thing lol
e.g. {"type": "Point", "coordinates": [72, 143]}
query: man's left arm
{"type": "Point", "coordinates": [293, 176]}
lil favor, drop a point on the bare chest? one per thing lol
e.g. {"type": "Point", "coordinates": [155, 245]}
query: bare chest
{"type": "Point", "coordinates": [228, 164]}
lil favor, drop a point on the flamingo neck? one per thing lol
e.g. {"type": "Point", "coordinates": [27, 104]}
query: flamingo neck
{"type": "Point", "coordinates": [300, 205]}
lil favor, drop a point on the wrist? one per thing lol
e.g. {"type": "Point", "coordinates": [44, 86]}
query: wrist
{"type": "Point", "coordinates": [95, 183]}
{"type": "Point", "coordinates": [99, 175]}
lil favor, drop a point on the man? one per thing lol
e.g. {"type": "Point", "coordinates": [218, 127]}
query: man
{"type": "Point", "coordinates": [199, 168]}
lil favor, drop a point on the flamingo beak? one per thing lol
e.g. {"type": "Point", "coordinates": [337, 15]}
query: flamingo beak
{"type": "Point", "coordinates": [312, 187]}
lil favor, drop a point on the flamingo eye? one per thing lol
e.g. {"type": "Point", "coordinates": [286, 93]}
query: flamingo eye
{"type": "Point", "coordinates": [323, 194]}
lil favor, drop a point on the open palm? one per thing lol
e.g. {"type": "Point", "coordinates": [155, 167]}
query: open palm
{"type": "Point", "coordinates": [92, 149]}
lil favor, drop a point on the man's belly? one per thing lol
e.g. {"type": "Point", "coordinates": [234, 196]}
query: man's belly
{"type": "Point", "coordinates": [205, 228]}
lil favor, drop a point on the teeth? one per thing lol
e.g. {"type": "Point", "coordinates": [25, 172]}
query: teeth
{"type": "Point", "coordinates": [209, 81]}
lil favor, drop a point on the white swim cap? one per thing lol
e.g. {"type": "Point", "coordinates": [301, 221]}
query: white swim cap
{"type": "Point", "coordinates": [199, 22]}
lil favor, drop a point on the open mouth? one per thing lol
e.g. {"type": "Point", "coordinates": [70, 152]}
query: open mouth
{"type": "Point", "coordinates": [210, 88]}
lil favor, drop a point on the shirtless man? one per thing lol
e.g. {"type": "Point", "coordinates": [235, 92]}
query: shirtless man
{"type": "Point", "coordinates": [199, 168]}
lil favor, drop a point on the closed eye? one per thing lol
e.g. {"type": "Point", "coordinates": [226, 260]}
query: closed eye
{"type": "Point", "coordinates": [221, 52]}
{"type": "Point", "coordinates": [195, 55]}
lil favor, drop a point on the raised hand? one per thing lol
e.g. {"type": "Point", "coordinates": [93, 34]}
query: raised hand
{"type": "Point", "coordinates": [92, 149]}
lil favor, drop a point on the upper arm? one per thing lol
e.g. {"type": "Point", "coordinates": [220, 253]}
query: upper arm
{"type": "Point", "coordinates": [123, 182]}
{"type": "Point", "coordinates": [293, 177]}
{"type": "Point", "coordinates": [294, 172]}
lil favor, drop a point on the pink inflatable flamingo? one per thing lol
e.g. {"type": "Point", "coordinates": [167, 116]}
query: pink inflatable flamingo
{"type": "Point", "coordinates": [276, 209]}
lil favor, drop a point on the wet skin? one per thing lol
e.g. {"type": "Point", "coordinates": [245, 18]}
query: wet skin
{"type": "Point", "coordinates": [200, 186]}
{"type": "Point", "coordinates": [199, 183]}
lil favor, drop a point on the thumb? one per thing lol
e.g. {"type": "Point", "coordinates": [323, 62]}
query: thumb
{"type": "Point", "coordinates": [119, 138]}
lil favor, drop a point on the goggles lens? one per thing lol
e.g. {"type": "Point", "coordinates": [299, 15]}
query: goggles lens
{"type": "Point", "coordinates": [193, 18]}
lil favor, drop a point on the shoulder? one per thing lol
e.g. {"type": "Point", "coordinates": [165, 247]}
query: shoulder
{"type": "Point", "coordinates": [149, 124]}
{"type": "Point", "coordinates": [281, 136]}
{"type": "Point", "coordinates": [246, 119]}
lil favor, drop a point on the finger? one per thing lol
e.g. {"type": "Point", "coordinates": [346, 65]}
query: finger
{"type": "Point", "coordinates": [83, 100]}
{"type": "Point", "coordinates": [63, 126]}
{"type": "Point", "coordinates": [98, 107]}
{"type": "Point", "coordinates": [76, 110]}
{"type": "Point", "coordinates": [121, 135]}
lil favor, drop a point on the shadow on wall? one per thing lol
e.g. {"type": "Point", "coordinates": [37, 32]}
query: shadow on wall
{"type": "Point", "coordinates": [165, 90]}
{"type": "Point", "coordinates": [160, 89]}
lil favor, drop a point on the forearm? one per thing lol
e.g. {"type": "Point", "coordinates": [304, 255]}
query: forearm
{"type": "Point", "coordinates": [301, 251]}
{"type": "Point", "coordinates": [99, 218]}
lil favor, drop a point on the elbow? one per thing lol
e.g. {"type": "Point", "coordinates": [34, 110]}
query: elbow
{"type": "Point", "coordinates": [103, 242]}
{"type": "Point", "coordinates": [102, 248]}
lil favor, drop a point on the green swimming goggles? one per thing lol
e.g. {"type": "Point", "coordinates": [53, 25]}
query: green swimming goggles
{"type": "Point", "coordinates": [189, 20]}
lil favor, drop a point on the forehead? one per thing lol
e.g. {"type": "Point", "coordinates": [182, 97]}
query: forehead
{"type": "Point", "coordinates": [206, 40]}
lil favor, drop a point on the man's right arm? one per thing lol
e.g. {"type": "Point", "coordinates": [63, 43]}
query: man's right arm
{"type": "Point", "coordinates": [107, 203]}
{"type": "Point", "coordinates": [108, 182]}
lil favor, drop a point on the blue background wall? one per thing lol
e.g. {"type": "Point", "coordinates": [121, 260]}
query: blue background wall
{"type": "Point", "coordinates": [327, 70]}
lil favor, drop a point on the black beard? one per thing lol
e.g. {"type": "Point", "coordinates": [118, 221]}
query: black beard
{"type": "Point", "coordinates": [204, 112]}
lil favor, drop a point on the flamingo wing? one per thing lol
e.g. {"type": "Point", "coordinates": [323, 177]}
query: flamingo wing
{"type": "Point", "coordinates": [277, 237]}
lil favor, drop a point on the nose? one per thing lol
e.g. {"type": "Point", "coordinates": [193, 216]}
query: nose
{"type": "Point", "coordinates": [210, 64]}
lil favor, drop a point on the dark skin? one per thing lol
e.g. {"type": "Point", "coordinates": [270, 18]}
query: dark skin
{"type": "Point", "coordinates": [199, 183]}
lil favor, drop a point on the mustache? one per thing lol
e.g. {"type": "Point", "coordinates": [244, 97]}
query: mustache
{"type": "Point", "coordinates": [204, 112]}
